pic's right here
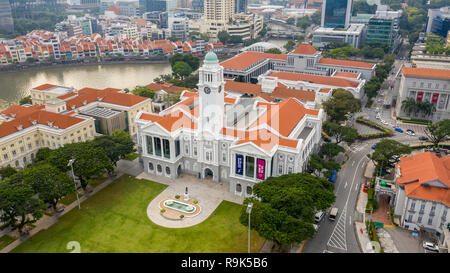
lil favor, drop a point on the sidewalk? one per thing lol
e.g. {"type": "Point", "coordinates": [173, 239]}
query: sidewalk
{"type": "Point", "coordinates": [47, 221]}
{"type": "Point", "coordinates": [363, 238]}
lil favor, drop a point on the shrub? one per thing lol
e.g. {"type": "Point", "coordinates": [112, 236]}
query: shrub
{"type": "Point", "coordinates": [163, 210]}
{"type": "Point", "coordinates": [195, 201]}
{"type": "Point", "coordinates": [181, 216]}
{"type": "Point", "coordinates": [177, 196]}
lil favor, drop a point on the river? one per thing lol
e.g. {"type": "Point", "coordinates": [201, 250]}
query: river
{"type": "Point", "coordinates": [15, 85]}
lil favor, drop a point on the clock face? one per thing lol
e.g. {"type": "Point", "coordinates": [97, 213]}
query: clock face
{"type": "Point", "coordinates": [207, 90]}
{"type": "Point", "coordinates": [220, 88]}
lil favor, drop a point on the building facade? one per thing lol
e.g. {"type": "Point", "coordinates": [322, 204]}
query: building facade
{"type": "Point", "coordinates": [425, 84]}
{"type": "Point", "coordinates": [353, 35]}
{"type": "Point", "coordinates": [423, 193]}
{"type": "Point", "coordinates": [6, 20]}
{"type": "Point", "coordinates": [233, 139]}
{"type": "Point", "coordinates": [336, 13]}
{"type": "Point", "coordinates": [384, 31]}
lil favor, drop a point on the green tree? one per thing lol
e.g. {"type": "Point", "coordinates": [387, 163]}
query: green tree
{"type": "Point", "coordinates": [143, 91]}
{"type": "Point", "coordinates": [116, 146]}
{"type": "Point", "coordinates": [385, 150]}
{"type": "Point", "coordinates": [235, 39]}
{"type": "Point", "coordinates": [43, 154]}
{"type": "Point", "coordinates": [26, 100]}
{"type": "Point", "coordinates": [19, 207]}
{"type": "Point", "coordinates": [316, 164]}
{"type": "Point", "coordinates": [340, 133]}
{"type": "Point", "coordinates": [330, 150]}
{"type": "Point", "coordinates": [181, 70]}
{"type": "Point", "coordinates": [289, 45]}
{"type": "Point", "coordinates": [273, 50]}
{"type": "Point", "coordinates": [6, 172]}
{"type": "Point", "coordinates": [223, 37]}
{"type": "Point", "coordinates": [438, 131]}
{"type": "Point", "coordinates": [341, 103]}
{"type": "Point", "coordinates": [290, 21]}
{"type": "Point", "coordinates": [50, 183]}
{"type": "Point", "coordinates": [284, 207]}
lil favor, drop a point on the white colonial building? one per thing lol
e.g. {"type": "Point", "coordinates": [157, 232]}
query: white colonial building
{"type": "Point", "coordinates": [233, 138]}
{"type": "Point", "coordinates": [425, 84]}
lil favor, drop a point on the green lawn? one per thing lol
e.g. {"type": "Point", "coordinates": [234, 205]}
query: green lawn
{"type": "Point", "coordinates": [6, 240]}
{"type": "Point", "coordinates": [115, 220]}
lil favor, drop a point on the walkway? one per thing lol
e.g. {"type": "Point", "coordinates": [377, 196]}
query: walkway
{"type": "Point", "coordinates": [209, 195]}
{"type": "Point", "coordinates": [382, 214]}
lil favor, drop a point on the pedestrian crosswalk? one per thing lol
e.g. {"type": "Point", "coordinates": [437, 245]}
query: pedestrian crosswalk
{"type": "Point", "coordinates": [338, 237]}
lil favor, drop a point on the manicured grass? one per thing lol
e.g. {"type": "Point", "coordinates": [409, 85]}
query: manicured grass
{"type": "Point", "coordinates": [131, 156]}
{"type": "Point", "coordinates": [115, 220]}
{"type": "Point", "coordinates": [69, 199]}
{"type": "Point", "coordinates": [6, 240]}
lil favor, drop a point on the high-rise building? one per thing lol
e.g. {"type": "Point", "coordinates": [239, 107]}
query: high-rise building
{"type": "Point", "coordinates": [336, 13]}
{"type": "Point", "coordinates": [383, 31]}
{"type": "Point", "coordinates": [152, 5]}
{"type": "Point", "coordinates": [219, 10]}
{"type": "Point", "coordinates": [6, 20]}
{"type": "Point", "coordinates": [197, 5]}
{"type": "Point", "coordinates": [240, 6]}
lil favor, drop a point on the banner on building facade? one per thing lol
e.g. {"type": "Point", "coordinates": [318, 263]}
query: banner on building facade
{"type": "Point", "coordinates": [260, 169]}
{"type": "Point", "coordinates": [240, 164]}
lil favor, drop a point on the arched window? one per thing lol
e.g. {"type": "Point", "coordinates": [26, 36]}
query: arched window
{"type": "Point", "coordinates": [150, 166]}
{"type": "Point", "coordinates": [238, 187]}
{"type": "Point", "coordinates": [249, 190]}
{"type": "Point", "coordinates": [167, 170]}
{"type": "Point", "coordinates": [159, 168]}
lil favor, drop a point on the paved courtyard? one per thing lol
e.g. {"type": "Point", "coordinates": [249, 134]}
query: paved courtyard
{"type": "Point", "coordinates": [404, 241]}
{"type": "Point", "coordinates": [382, 214]}
{"type": "Point", "coordinates": [209, 195]}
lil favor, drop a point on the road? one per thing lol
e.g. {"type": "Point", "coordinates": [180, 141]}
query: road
{"type": "Point", "coordinates": [339, 235]}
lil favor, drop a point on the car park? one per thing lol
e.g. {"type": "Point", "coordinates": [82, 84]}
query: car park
{"type": "Point", "coordinates": [430, 246]}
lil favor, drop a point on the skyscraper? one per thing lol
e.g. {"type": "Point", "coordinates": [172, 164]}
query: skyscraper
{"type": "Point", "coordinates": [336, 13]}
{"type": "Point", "coordinates": [219, 10]}
{"type": "Point", "coordinates": [6, 20]}
{"type": "Point", "coordinates": [152, 5]}
{"type": "Point", "coordinates": [240, 6]}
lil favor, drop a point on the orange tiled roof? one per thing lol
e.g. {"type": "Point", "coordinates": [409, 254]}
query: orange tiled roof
{"type": "Point", "coordinates": [420, 170]}
{"type": "Point", "coordinates": [426, 72]}
{"type": "Point", "coordinates": [324, 80]}
{"type": "Point", "coordinates": [108, 95]}
{"type": "Point", "coordinates": [248, 88]}
{"type": "Point", "coordinates": [172, 121]}
{"type": "Point", "coordinates": [168, 87]}
{"type": "Point", "coordinates": [346, 63]}
{"type": "Point", "coordinates": [44, 87]}
{"type": "Point", "coordinates": [284, 92]}
{"type": "Point", "coordinates": [346, 75]}
{"type": "Point", "coordinates": [261, 138]}
{"type": "Point", "coordinates": [246, 59]}
{"type": "Point", "coordinates": [305, 49]}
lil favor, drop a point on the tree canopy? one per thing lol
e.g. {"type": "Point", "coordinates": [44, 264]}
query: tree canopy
{"type": "Point", "coordinates": [385, 150]}
{"type": "Point", "coordinates": [340, 133]}
{"type": "Point", "coordinates": [341, 103]}
{"type": "Point", "coordinates": [273, 50]}
{"type": "Point", "coordinates": [439, 131]}
{"type": "Point", "coordinates": [143, 91]}
{"type": "Point", "coordinates": [181, 70]}
{"type": "Point", "coordinates": [284, 207]}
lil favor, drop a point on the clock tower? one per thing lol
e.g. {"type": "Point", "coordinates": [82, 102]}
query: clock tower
{"type": "Point", "coordinates": [211, 95]}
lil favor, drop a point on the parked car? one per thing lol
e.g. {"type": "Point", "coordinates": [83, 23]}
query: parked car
{"type": "Point", "coordinates": [333, 214]}
{"type": "Point", "coordinates": [410, 132]}
{"type": "Point", "coordinates": [430, 246]}
{"type": "Point", "coordinates": [373, 147]}
{"type": "Point", "coordinates": [397, 129]}
{"type": "Point", "coordinates": [318, 216]}
{"type": "Point", "coordinates": [423, 138]}
{"type": "Point", "coordinates": [384, 122]}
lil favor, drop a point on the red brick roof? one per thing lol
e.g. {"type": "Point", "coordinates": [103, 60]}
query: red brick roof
{"type": "Point", "coordinates": [346, 63]}
{"type": "Point", "coordinates": [418, 171]}
{"type": "Point", "coordinates": [426, 72]}
{"type": "Point", "coordinates": [346, 75]}
{"type": "Point", "coordinates": [107, 95]}
{"type": "Point", "coordinates": [284, 92]}
{"type": "Point", "coordinates": [305, 49]}
{"type": "Point", "coordinates": [246, 59]}
{"type": "Point", "coordinates": [324, 80]}
{"type": "Point", "coordinates": [248, 88]}
{"type": "Point", "coordinates": [261, 138]}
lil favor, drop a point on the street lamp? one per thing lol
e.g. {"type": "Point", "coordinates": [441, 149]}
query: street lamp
{"type": "Point", "coordinates": [249, 210]}
{"type": "Point", "coordinates": [73, 177]}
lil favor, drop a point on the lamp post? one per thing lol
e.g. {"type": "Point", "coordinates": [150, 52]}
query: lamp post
{"type": "Point", "coordinates": [249, 210]}
{"type": "Point", "coordinates": [73, 177]}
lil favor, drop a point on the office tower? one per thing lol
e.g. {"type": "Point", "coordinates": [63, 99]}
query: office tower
{"type": "Point", "coordinates": [336, 13]}
{"type": "Point", "coordinates": [240, 6]}
{"type": "Point", "coordinates": [6, 20]}
{"type": "Point", "coordinates": [152, 5]}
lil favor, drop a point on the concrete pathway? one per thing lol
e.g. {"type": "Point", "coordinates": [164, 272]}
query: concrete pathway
{"type": "Point", "coordinates": [209, 195]}
{"type": "Point", "coordinates": [363, 238]}
{"type": "Point", "coordinates": [386, 241]}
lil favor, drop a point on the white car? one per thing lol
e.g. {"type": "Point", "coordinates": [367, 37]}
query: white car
{"type": "Point", "coordinates": [410, 132]}
{"type": "Point", "coordinates": [430, 246]}
{"type": "Point", "coordinates": [384, 122]}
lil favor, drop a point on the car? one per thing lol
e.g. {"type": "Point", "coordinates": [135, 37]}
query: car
{"type": "Point", "coordinates": [373, 147]}
{"type": "Point", "coordinates": [423, 138]}
{"type": "Point", "coordinates": [318, 216]}
{"type": "Point", "coordinates": [384, 122]}
{"type": "Point", "coordinates": [316, 227]}
{"type": "Point", "coordinates": [398, 129]}
{"type": "Point", "coordinates": [377, 109]}
{"type": "Point", "coordinates": [378, 117]}
{"type": "Point", "coordinates": [410, 132]}
{"type": "Point", "coordinates": [430, 246]}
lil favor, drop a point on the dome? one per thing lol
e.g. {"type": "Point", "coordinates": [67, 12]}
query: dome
{"type": "Point", "coordinates": [211, 57]}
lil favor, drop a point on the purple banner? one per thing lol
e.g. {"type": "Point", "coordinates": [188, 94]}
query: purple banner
{"type": "Point", "coordinates": [260, 171]}
{"type": "Point", "coordinates": [239, 164]}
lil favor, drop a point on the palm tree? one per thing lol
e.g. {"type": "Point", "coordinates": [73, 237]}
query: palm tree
{"type": "Point", "coordinates": [428, 108]}
{"type": "Point", "coordinates": [408, 105]}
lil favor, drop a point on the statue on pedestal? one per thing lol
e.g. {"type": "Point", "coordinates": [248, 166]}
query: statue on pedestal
{"type": "Point", "coordinates": [186, 194]}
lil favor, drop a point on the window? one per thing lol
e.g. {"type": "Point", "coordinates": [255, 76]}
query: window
{"type": "Point", "coordinates": [433, 208]}
{"type": "Point", "coordinates": [167, 170]}
{"type": "Point", "coordinates": [157, 142]}
{"type": "Point", "coordinates": [150, 166]}
{"type": "Point", "coordinates": [419, 220]}
{"type": "Point", "coordinates": [186, 148]}
{"type": "Point", "coordinates": [249, 190]}
{"type": "Point", "coordinates": [280, 169]}
{"type": "Point", "coordinates": [195, 150]}
{"type": "Point", "coordinates": [159, 168]}
{"type": "Point", "coordinates": [177, 147]}
{"type": "Point", "coordinates": [14, 152]}
{"type": "Point", "coordinates": [238, 188]}
{"type": "Point", "coordinates": [224, 157]}
{"type": "Point", "coordinates": [410, 218]}
{"type": "Point", "coordinates": [290, 169]}
{"type": "Point", "coordinates": [250, 166]}
{"type": "Point", "coordinates": [29, 146]}
{"type": "Point", "coordinates": [149, 145]}
{"type": "Point", "coordinates": [430, 220]}
{"type": "Point", "coordinates": [166, 146]}
{"type": "Point", "coordinates": [413, 205]}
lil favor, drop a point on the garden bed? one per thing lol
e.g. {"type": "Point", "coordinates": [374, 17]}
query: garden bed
{"type": "Point", "coordinates": [385, 132]}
